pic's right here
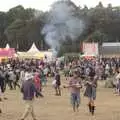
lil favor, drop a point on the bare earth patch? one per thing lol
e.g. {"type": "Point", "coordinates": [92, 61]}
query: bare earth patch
{"type": "Point", "coordinates": [58, 108]}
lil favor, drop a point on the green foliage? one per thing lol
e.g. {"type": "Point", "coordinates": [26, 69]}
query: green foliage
{"type": "Point", "coordinates": [21, 27]}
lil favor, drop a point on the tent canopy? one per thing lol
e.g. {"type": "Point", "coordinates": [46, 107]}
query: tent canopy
{"type": "Point", "coordinates": [33, 49]}
{"type": "Point", "coordinates": [7, 46]}
{"type": "Point", "coordinates": [34, 53]}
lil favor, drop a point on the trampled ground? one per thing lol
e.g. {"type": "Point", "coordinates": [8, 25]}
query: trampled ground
{"type": "Point", "coordinates": [58, 108]}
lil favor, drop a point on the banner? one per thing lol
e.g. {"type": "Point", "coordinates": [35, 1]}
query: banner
{"type": "Point", "coordinates": [7, 52]}
{"type": "Point", "coordinates": [90, 49]}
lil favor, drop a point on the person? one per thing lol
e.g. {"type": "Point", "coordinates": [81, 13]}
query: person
{"type": "Point", "coordinates": [2, 85]}
{"type": "Point", "coordinates": [117, 84]}
{"type": "Point", "coordinates": [2, 88]}
{"type": "Point", "coordinates": [11, 79]}
{"type": "Point", "coordinates": [22, 75]}
{"type": "Point", "coordinates": [17, 74]}
{"type": "Point", "coordinates": [75, 86]}
{"type": "Point", "coordinates": [28, 89]}
{"type": "Point", "coordinates": [58, 83]}
{"type": "Point", "coordinates": [43, 78]}
{"type": "Point", "coordinates": [38, 85]}
{"type": "Point", "coordinates": [90, 92]}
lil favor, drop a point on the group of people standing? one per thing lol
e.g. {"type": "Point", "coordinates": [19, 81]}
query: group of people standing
{"type": "Point", "coordinates": [31, 75]}
{"type": "Point", "coordinates": [87, 73]}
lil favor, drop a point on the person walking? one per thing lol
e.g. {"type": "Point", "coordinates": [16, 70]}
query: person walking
{"type": "Point", "coordinates": [28, 89]}
{"type": "Point", "coordinates": [90, 93]}
{"type": "Point", "coordinates": [58, 83]}
{"type": "Point", "coordinates": [11, 79]}
{"type": "Point", "coordinates": [38, 85]}
{"type": "Point", "coordinates": [75, 86]}
{"type": "Point", "coordinates": [2, 89]}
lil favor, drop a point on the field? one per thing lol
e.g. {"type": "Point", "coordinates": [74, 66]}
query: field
{"type": "Point", "coordinates": [53, 107]}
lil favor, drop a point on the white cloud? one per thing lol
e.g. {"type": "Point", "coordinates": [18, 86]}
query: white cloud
{"type": "Point", "coordinates": [45, 4]}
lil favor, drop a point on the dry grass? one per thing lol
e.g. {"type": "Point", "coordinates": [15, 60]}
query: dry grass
{"type": "Point", "coordinates": [58, 108]}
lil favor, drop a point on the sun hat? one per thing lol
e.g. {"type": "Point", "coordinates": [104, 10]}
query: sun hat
{"type": "Point", "coordinates": [28, 76]}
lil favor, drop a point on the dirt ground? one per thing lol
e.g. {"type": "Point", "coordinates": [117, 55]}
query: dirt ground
{"type": "Point", "coordinates": [58, 108]}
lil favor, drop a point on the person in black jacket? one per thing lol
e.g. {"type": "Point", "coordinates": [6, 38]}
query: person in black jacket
{"type": "Point", "coordinates": [2, 88]}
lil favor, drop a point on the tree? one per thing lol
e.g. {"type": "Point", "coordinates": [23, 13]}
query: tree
{"type": "Point", "coordinates": [21, 27]}
{"type": "Point", "coordinates": [99, 37]}
{"type": "Point", "coordinates": [16, 34]}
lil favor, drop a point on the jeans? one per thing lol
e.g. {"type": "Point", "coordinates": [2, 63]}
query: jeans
{"type": "Point", "coordinates": [75, 99]}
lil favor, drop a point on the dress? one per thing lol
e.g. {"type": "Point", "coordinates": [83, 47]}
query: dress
{"type": "Point", "coordinates": [90, 91]}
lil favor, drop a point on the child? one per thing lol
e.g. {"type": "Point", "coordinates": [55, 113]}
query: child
{"type": "Point", "coordinates": [75, 86]}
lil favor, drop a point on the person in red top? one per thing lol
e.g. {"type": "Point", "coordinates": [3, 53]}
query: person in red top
{"type": "Point", "coordinates": [38, 85]}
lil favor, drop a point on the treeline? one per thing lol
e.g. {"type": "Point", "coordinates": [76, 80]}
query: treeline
{"type": "Point", "coordinates": [21, 27]}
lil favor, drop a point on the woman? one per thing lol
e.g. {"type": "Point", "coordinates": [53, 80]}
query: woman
{"type": "Point", "coordinates": [90, 92]}
{"type": "Point", "coordinates": [58, 83]}
{"type": "Point", "coordinates": [38, 85]}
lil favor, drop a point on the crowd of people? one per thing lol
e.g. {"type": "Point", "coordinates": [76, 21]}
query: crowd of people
{"type": "Point", "coordinates": [30, 76]}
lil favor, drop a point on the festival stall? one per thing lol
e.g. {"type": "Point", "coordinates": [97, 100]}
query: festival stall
{"type": "Point", "coordinates": [92, 56]}
{"type": "Point", "coordinates": [90, 50]}
{"type": "Point", "coordinates": [6, 53]}
{"type": "Point", "coordinates": [34, 53]}
{"type": "Point", "coordinates": [30, 53]}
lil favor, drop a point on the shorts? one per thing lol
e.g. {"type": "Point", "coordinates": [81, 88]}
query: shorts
{"type": "Point", "coordinates": [75, 99]}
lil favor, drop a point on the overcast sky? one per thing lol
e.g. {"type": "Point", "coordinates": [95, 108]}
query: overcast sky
{"type": "Point", "coordinates": [44, 5]}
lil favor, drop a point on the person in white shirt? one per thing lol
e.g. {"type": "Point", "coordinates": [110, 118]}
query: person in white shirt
{"type": "Point", "coordinates": [117, 83]}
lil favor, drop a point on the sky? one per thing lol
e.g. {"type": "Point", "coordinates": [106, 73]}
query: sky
{"type": "Point", "coordinates": [44, 5]}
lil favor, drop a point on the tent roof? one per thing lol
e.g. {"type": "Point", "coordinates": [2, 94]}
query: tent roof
{"type": "Point", "coordinates": [7, 46]}
{"type": "Point", "coordinates": [111, 44]}
{"type": "Point", "coordinates": [33, 49]}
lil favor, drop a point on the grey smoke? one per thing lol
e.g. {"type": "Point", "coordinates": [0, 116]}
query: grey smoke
{"type": "Point", "coordinates": [62, 23]}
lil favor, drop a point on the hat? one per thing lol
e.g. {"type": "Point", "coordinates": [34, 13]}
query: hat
{"type": "Point", "coordinates": [28, 76]}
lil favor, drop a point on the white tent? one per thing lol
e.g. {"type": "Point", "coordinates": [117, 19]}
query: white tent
{"type": "Point", "coordinates": [109, 44]}
{"type": "Point", "coordinates": [7, 46]}
{"type": "Point", "coordinates": [33, 52]}
{"type": "Point", "coordinates": [33, 49]}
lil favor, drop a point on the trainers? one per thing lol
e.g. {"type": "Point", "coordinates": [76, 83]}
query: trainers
{"type": "Point", "coordinates": [90, 108]}
{"type": "Point", "coordinates": [0, 111]}
{"type": "Point", "coordinates": [5, 98]}
{"type": "Point", "coordinates": [0, 99]}
{"type": "Point", "coordinates": [93, 110]}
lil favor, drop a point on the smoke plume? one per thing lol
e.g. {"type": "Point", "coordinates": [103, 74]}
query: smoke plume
{"type": "Point", "coordinates": [62, 22]}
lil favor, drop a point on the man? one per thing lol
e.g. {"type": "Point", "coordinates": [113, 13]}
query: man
{"type": "Point", "coordinates": [75, 86]}
{"type": "Point", "coordinates": [22, 75]}
{"type": "Point", "coordinates": [28, 89]}
{"type": "Point", "coordinates": [11, 78]}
